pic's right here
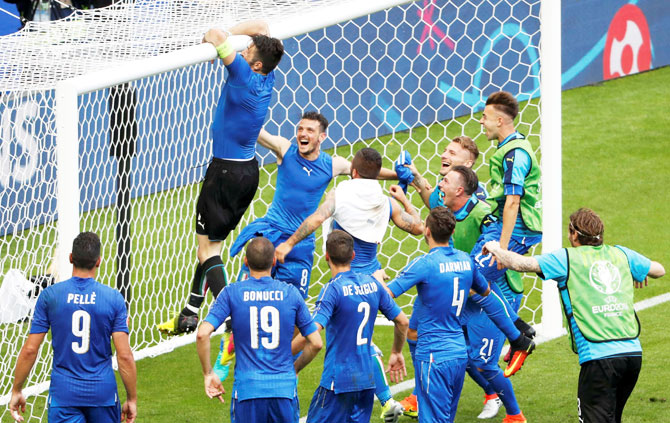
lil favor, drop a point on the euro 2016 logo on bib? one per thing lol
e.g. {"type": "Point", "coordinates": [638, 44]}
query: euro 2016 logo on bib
{"type": "Point", "coordinates": [605, 277]}
{"type": "Point", "coordinates": [628, 45]}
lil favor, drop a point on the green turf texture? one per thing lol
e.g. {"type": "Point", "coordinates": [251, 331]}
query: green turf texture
{"type": "Point", "coordinates": [614, 161]}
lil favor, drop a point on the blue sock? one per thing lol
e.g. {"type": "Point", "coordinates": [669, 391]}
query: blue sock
{"type": "Point", "coordinates": [412, 348]}
{"type": "Point", "coordinates": [495, 308]}
{"type": "Point", "coordinates": [503, 387]}
{"type": "Point", "coordinates": [382, 389]}
{"type": "Point", "coordinates": [508, 307]}
{"type": "Point", "coordinates": [479, 379]}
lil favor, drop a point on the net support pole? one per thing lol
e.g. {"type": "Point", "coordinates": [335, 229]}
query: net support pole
{"type": "Point", "coordinates": [550, 136]}
{"type": "Point", "coordinates": [67, 173]}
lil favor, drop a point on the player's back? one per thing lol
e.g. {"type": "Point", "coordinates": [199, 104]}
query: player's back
{"type": "Point", "coordinates": [347, 307]}
{"type": "Point", "coordinates": [82, 314]}
{"type": "Point", "coordinates": [264, 314]}
{"type": "Point", "coordinates": [446, 281]}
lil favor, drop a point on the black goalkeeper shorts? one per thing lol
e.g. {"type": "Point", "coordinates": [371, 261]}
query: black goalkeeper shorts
{"type": "Point", "coordinates": [604, 387]}
{"type": "Point", "coordinates": [226, 193]}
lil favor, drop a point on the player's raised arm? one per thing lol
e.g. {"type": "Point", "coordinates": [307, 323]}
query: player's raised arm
{"type": "Point", "coordinates": [408, 219]}
{"type": "Point", "coordinates": [310, 225]}
{"type": "Point", "coordinates": [275, 143]}
{"type": "Point", "coordinates": [128, 372]}
{"type": "Point", "coordinates": [510, 259]}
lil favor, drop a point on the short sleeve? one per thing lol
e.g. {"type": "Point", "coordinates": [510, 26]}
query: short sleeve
{"type": "Point", "coordinates": [325, 304]}
{"type": "Point", "coordinates": [40, 322]}
{"type": "Point", "coordinates": [411, 275]}
{"type": "Point", "coordinates": [221, 308]}
{"type": "Point", "coordinates": [120, 323]}
{"type": "Point", "coordinates": [303, 320]}
{"type": "Point", "coordinates": [387, 306]}
{"type": "Point", "coordinates": [639, 264]}
{"type": "Point", "coordinates": [554, 265]}
{"type": "Point", "coordinates": [238, 71]}
{"type": "Point", "coordinates": [436, 198]}
{"type": "Point", "coordinates": [516, 165]}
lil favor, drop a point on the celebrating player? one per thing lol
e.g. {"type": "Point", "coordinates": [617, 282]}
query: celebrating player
{"type": "Point", "coordinates": [264, 313]}
{"type": "Point", "coordinates": [83, 315]}
{"type": "Point", "coordinates": [594, 278]}
{"type": "Point", "coordinates": [360, 208]}
{"type": "Point", "coordinates": [303, 174]}
{"type": "Point", "coordinates": [232, 176]}
{"type": "Point", "coordinates": [346, 307]}
{"type": "Point", "coordinates": [443, 279]}
{"type": "Point", "coordinates": [461, 151]}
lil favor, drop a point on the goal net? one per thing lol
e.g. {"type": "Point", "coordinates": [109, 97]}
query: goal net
{"type": "Point", "coordinates": [105, 126]}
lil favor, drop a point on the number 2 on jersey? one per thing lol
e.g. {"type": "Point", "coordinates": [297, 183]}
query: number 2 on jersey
{"type": "Point", "coordinates": [81, 328]}
{"type": "Point", "coordinates": [269, 322]}
{"type": "Point", "coordinates": [365, 309]}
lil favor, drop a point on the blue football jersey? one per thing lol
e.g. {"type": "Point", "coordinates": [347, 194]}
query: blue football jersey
{"type": "Point", "coordinates": [82, 315]}
{"type": "Point", "coordinates": [240, 112]}
{"type": "Point", "coordinates": [443, 279]}
{"type": "Point", "coordinates": [298, 178]}
{"type": "Point", "coordinates": [347, 307]}
{"type": "Point", "coordinates": [264, 313]}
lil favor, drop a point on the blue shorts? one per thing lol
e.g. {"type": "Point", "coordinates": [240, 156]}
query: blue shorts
{"type": "Point", "coordinates": [517, 244]}
{"type": "Point", "coordinates": [440, 386]}
{"type": "Point", "coordinates": [345, 407]}
{"type": "Point", "coordinates": [485, 340]}
{"type": "Point", "coordinates": [109, 414]}
{"type": "Point", "coordinates": [279, 410]}
{"type": "Point", "coordinates": [297, 267]}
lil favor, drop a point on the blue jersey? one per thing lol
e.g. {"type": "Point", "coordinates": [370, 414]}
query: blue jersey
{"type": "Point", "coordinates": [241, 111]}
{"type": "Point", "coordinates": [300, 186]}
{"type": "Point", "coordinates": [82, 315]}
{"type": "Point", "coordinates": [347, 307]}
{"type": "Point", "coordinates": [554, 266]}
{"type": "Point", "coordinates": [443, 279]}
{"type": "Point", "coordinates": [264, 314]}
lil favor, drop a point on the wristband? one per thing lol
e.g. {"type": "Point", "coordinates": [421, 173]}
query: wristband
{"type": "Point", "coordinates": [224, 49]}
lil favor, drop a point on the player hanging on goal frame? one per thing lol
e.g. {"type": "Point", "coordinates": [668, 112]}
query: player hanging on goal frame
{"type": "Point", "coordinates": [232, 176]}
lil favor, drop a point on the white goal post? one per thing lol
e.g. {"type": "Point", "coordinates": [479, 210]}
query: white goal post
{"type": "Point", "coordinates": [390, 74]}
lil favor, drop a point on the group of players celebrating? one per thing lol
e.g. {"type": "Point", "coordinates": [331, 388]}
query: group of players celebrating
{"type": "Point", "coordinates": [467, 296]}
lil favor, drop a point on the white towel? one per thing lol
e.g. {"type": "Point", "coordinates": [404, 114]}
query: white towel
{"type": "Point", "coordinates": [362, 209]}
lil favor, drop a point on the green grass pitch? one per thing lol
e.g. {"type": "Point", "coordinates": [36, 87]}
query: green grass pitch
{"type": "Point", "coordinates": [614, 161]}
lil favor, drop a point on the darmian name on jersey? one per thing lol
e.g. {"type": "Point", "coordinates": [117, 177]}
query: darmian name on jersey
{"type": "Point", "coordinates": [454, 266]}
{"type": "Point", "coordinates": [263, 296]}
{"type": "Point", "coordinates": [366, 288]}
{"type": "Point", "coordinates": [81, 298]}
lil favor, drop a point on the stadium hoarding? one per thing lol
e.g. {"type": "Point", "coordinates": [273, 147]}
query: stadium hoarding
{"type": "Point", "coordinates": [387, 72]}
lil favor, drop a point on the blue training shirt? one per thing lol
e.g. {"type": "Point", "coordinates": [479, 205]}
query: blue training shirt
{"type": "Point", "coordinates": [241, 111]}
{"type": "Point", "coordinates": [516, 165]}
{"type": "Point", "coordinates": [264, 313]}
{"type": "Point", "coordinates": [82, 315]}
{"type": "Point", "coordinates": [443, 279]}
{"type": "Point", "coordinates": [554, 266]}
{"type": "Point", "coordinates": [347, 307]}
{"type": "Point", "coordinates": [300, 186]}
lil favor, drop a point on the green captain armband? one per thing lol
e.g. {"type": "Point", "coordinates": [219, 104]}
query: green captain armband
{"type": "Point", "coordinates": [224, 49]}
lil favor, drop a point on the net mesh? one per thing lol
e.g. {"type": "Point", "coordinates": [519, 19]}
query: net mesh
{"type": "Point", "coordinates": [410, 77]}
